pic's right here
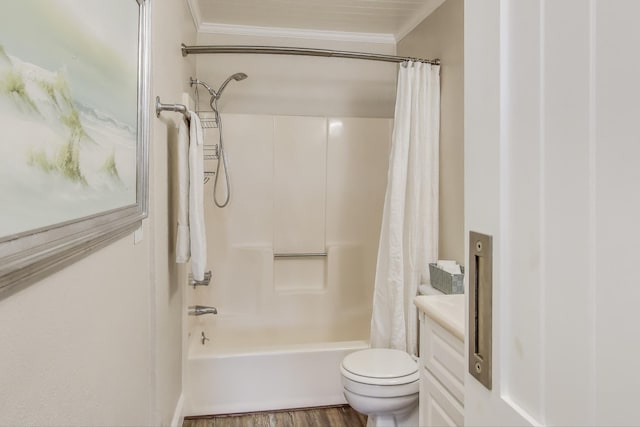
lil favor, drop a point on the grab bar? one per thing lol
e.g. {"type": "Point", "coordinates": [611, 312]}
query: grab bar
{"type": "Point", "coordinates": [299, 255]}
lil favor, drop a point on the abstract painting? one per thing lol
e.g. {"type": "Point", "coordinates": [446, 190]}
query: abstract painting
{"type": "Point", "coordinates": [70, 117]}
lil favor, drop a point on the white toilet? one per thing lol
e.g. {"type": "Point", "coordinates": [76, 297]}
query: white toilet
{"type": "Point", "coordinates": [383, 384]}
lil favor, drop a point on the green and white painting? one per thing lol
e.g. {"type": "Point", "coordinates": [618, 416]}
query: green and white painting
{"type": "Point", "coordinates": [68, 110]}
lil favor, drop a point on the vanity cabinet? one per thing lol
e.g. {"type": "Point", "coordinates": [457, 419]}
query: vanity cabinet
{"type": "Point", "coordinates": [441, 360]}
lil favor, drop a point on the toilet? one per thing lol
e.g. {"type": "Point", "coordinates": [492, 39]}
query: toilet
{"type": "Point", "coordinates": [383, 384]}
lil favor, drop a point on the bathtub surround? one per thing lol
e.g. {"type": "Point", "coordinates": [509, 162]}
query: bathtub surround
{"type": "Point", "coordinates": [409, 232]}
{"type": "Point", "coordinates": [342, 183]}
{"type": "Point", "coordinates": [299, 168]}
{"type": "Point", "coordinates": [299, 203]}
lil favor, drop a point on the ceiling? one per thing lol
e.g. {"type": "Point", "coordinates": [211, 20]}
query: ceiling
{"type": "Point", "coordinates": [385, 21]}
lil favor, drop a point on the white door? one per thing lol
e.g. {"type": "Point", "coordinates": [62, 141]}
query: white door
{"type": "Point", "coordinates": [552, 172]}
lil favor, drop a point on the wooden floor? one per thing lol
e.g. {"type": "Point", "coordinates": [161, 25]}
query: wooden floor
{"type": "Point", "coordinates": [334, 416]}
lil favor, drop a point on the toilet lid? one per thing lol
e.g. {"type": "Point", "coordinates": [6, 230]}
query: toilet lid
{"type": "Point", "coordinates": [382, 363]}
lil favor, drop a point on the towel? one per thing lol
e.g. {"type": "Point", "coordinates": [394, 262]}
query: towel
{"type": "Point", "coordinates": [196, 198]}
{"type": "Point", "coordinates": [183, 242]}
{"type": "Point", "coordinates": [450, 266]}
{"type": "Point", "coordinates": [191, 240]}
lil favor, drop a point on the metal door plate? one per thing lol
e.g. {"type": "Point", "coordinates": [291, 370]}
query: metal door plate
{"type": "Point", "coordinates": [480, 306]}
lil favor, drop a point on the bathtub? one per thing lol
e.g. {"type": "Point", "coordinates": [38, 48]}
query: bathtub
{"type": "Point", "coordinates": [245, 370]}
{"type": "Point", "coordinates": [281, 332]}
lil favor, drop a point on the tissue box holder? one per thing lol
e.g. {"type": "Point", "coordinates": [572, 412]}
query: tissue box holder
{"type": "Point", "coordinates": [446, 282]}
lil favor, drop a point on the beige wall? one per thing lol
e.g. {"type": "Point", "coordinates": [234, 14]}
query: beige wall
{"type": "Point", "coordinates": [100, 342]}
{"type": "Point", "coordinates": [301, 85]}
{"type": "Point", "coordinates": [441, 36]}
{"type": "Point", "coordinates": [76, 346]}
{"type": "Point", "coordinates": [170, 73]}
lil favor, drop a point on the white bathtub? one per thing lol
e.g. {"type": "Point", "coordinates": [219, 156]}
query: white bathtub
{"type": "Point", "coordinates": [237, 376]}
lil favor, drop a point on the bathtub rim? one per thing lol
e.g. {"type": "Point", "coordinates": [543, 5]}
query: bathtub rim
{"type": "Point", "coordinates": [320, 346]}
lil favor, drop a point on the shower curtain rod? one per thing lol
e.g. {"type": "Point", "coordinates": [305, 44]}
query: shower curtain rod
{"type": "Point", "coordinates": [278, 50]}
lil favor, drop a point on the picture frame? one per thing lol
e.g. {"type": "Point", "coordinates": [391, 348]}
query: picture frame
{"type": "Point", "coordinates": [117, 193]}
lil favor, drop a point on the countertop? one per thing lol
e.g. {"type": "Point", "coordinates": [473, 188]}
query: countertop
{"type": "Point", "coordinates": [446, 310]}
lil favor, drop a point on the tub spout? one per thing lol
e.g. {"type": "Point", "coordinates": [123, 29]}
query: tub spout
{"type": "Point", "coordinates": [199, 310]}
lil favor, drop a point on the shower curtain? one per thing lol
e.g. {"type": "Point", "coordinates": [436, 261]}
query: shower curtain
{"type": "Point", "coordinates": [409, 232]}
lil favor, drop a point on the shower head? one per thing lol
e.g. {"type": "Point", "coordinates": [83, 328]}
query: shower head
{"type": "Point", "coordinates": [237, 77]}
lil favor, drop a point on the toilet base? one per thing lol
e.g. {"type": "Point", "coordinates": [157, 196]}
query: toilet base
{"type": "Point", "coordinates": [408, 419]}
{"type": "Point", "coordinates": [401, 411]}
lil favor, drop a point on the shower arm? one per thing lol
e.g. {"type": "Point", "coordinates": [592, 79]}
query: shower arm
{"type": "Point", "coordinates": [193, 81]}
{"type": "Point", "coordinates": [216, 94]}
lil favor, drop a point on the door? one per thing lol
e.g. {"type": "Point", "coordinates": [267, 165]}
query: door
{"type": "Point", "coordinates": [552, 173]}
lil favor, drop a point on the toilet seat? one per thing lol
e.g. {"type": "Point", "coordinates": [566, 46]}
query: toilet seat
{"type": "Point", "coordinates": [380, 366]}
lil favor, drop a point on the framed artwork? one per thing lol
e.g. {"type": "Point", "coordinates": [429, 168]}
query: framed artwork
{"type": "Point", "coordinates": [74, 120]}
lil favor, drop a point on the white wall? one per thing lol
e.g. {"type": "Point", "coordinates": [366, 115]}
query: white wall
{"type": "Point", "coordinates": [100, 342]}
{"type": "Point", "coordinates": [441, 36]}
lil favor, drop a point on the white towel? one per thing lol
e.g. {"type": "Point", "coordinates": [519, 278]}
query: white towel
{"type": "Point", "coordinates": [191, 239]}
{"type": "Point", "coordinates": [196, 198]}
{"type": "Point", "coordinates": [183, 249]}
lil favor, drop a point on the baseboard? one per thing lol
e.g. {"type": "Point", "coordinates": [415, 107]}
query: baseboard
{"type": "Point", "coordinates": [178, 414]}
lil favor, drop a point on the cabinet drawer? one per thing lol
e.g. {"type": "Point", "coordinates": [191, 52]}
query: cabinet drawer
{"type": "Point", "coordinates": [443, 354]}
{"type": "Point", "coordinates": [437, 406]}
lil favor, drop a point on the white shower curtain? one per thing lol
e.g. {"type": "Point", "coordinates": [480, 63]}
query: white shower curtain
{"type": "Point", "coordinates": [409, 233]}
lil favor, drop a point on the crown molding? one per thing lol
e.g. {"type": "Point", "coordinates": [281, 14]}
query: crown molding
{"type": "Point", "coordinates": [424, 12]}
{"type": "Point", "coordinates": [195, 13]}
{"type": "Point", "coordinates": [246, 30]}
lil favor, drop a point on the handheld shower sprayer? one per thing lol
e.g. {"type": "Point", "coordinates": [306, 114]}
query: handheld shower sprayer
{"type": "Point", "coordinates": [237, 77]}
{"type": "Point", "coordinates": [222, 162]}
